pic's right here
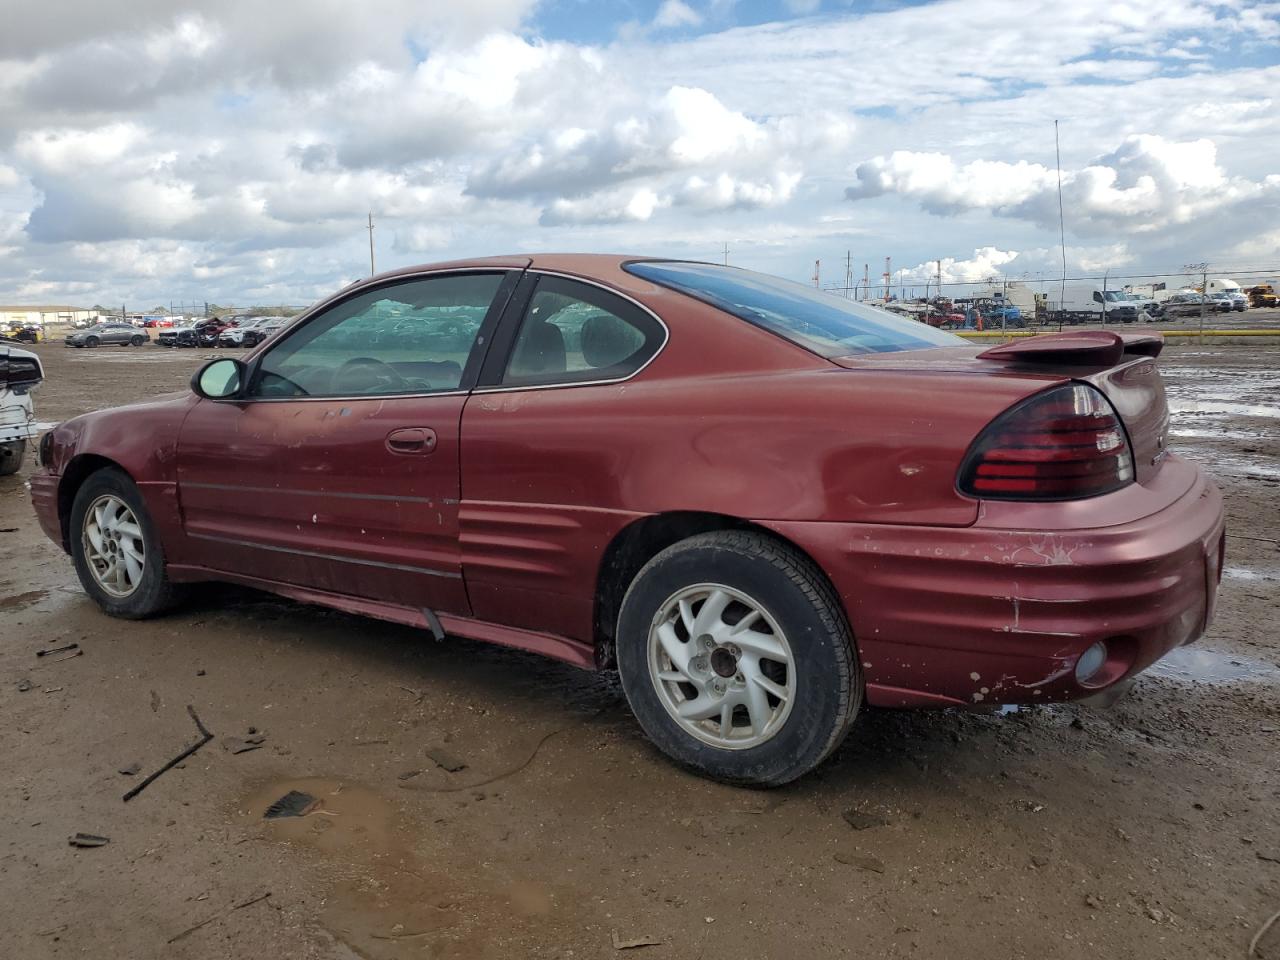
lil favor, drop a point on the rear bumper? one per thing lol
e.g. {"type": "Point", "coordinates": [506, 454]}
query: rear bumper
{"type": "Point", "coordinates": [982, 615]}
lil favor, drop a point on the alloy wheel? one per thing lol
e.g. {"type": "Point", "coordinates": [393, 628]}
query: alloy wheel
{"type": "Point", "coordinates": [114, 546]}
{"type": "Point", "coordinates": [722, 666]}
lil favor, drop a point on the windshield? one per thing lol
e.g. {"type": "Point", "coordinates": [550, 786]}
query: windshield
{"type": "Point", "coordinates": [824, 323]}
{"type": "Point", "coordinates": [1115, 296]}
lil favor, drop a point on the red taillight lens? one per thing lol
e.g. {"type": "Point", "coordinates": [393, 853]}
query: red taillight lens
{"type": "Point", "coordinates": [1061, 445]}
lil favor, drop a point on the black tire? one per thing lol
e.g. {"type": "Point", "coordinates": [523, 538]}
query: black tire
{"type": "Point", "coordinates": [155, 593]}
{"type": "Point", "coordinates": [11, 455]}
{"type": "Point", "coordinates": [91, 341]}
{"type": "Point", "coordinates": [136, 341]}
{"type": "Point", "coordinates": [828, 683]}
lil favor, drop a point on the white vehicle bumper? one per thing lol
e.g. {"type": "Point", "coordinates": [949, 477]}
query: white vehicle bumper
{"type": "Point", "coordinates": [17, 418]}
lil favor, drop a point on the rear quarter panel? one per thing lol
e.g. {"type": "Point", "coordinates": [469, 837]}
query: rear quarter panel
{"type": "Point", "coordinates": [549, 476]}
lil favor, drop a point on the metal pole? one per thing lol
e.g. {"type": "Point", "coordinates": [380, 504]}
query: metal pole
{"type": "Point", "coordinates": [1105, 274]}
{"type": "Point", "coordinates": [1204, 292]}
{"type": "Point", "coordinates": [1062, 231]}
{"type": "Point", "coordinates": [726, 254]}
{"type": "Point", "coordinates": [372, 269]}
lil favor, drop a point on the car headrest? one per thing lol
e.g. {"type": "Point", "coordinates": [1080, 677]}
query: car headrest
{"type": "Point", "coordinates": [606, 340]}
{"type": "Point", "coordinates": [541, 350]}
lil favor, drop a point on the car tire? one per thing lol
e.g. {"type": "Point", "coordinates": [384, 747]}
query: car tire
{"type": "Point", "coordinates": [798, 645]}
{"type": "Point", "coordinates": [137, 341]}
{"type": "Point", "coordinates": [91, 341]}
{"type": "Point", "coordinates": [11, 455]}
{"type": "Point", "coordinates": [124, 530]}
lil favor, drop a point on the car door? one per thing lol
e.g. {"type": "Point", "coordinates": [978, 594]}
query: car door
{"type": "Point", "coordinates": [338, 467]}
{"type": "Point", "coordinates": [541, 470]}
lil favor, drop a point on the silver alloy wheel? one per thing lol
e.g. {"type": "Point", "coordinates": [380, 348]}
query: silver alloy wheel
{"type": "Point", "coordinates": [722, 666]}
{"type": "Point", "coordinates": [113, 545]}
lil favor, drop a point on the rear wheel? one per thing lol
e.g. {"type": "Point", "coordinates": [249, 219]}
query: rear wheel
{"type": "Point", "coordinates": [736, 658]}
{"type": "Point", "coordinates": [136, 341]}
{"type": "Point", "coordinates": [116, 550]}
{"type": "Point", "coordinates": [11, 455]}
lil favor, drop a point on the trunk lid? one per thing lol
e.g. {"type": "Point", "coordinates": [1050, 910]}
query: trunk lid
{"type": "Point", "coordinates": [1120, 365]}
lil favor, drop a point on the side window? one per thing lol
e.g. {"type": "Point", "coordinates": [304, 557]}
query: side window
{"type": "Point", "coordinates": [574, 332]}
{"type": "Point", "coordinates": [1097, 297]}
{"type": "Point", "coordinates": [410, 338]}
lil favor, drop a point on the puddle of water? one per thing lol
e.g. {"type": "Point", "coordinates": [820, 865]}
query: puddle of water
{"type": "Point", "coordinates": [1202, 433]}
{"type": "Point", "coordinates": [1227, 408]}
{"type": "Point", "coordinates": [1202, 665]}
{"type": "Point", "coordinates": [345, 815]}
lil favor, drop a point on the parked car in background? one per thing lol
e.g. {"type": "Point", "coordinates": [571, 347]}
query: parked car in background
{"type": "Point", "coordinates": [122, 334]}
{"type": "Point", "coordinates": [1184, 305]}
{"type": "Point", "coordinates": [1239, 300]}
{"type": "Point", "coordinates": [202, 333]}
{"type": "Point", "coordinates": [235, 336]}
{"type": "Point", "coordinates": [269, 327]}
{"type": "Point", "coordinates": [1220, 302]}
{"type": "Point", "coordinates": [159, 322]}
{"type": "Point", "coordinates": [764, 504]}
{"type": "Point", "coordinates": [20, 374]}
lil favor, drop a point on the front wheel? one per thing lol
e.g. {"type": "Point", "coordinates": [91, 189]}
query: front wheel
{"type": "Point", "coordinates": [92, 342]}
{"type": "Point", "coordinates": [136, 341]}
{"type": "Point", "coordinates": [11, 455]}
{"type": "Point", "coordinates": [736, 658]}
{"type": "Point", "coordinates": [116, 550]}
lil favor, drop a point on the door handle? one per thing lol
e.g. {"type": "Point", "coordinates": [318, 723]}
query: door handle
{"type": "Point", "coordinates": [411, 440]}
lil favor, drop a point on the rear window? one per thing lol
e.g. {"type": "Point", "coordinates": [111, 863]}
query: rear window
{"type": "Point", "coordinates": [824, 323]}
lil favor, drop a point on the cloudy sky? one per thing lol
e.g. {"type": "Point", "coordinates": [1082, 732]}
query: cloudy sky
{"type": "Point", "coordinates": [229, 150]}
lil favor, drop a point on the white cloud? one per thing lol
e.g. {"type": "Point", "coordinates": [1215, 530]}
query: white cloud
{"type": "Point", "coordinates": [236, 146]}
{"type": "Point", "coordinates": [1146, 184]}
{"type": "Point", "coordinates": [674, 13]}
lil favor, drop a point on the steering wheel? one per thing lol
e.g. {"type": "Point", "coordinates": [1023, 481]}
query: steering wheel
{"type": "Point", "coordinates": [377, 373]}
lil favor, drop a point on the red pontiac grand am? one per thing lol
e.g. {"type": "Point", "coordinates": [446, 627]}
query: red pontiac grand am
{"type": "Point", "coordinates": [764, 504]}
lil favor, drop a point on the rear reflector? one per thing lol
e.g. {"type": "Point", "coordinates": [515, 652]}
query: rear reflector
{"type": "Point", "coordinates": [1063, 444]}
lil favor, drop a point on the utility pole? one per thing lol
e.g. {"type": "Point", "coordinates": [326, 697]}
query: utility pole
{"type": "Point", "coordinates": [1202, 269]}
{"type": "Point", "coordinates": [1105, 274]}
{"type": "Point", "coordinates": [726, 253]}
{"type": "Point", "coordinates": [817, 272]}
{"type": "Point", "coordinates": [887, 279]}
{"type": "Point", "coordinates": [848, 274]}
{"type": "Point", "coordinates": [939, 263]}
{"type": "Point", "coordinates": [1062, 230]}
{"type": "Point", "coordinates": [372, 270]}
{"type": "Point", "coordinates": [866, 279]}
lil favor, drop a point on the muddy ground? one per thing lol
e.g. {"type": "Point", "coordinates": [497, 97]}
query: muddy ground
{"type": "Point", "coordinates": [1147, 829]}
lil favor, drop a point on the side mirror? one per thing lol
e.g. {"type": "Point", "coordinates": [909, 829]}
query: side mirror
{"type": "Point", "coordinates": [219, 379]}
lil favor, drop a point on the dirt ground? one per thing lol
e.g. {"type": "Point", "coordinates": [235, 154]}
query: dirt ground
{"type": "Point", "coordinates": [1146, 829]}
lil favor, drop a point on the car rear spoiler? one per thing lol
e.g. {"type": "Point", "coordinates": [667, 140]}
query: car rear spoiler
{"type": "Point", "coordinates": [1091, 348]}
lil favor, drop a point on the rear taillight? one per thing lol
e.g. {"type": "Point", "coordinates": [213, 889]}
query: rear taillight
{"type": "Point", "coordinates": [1063, 444]}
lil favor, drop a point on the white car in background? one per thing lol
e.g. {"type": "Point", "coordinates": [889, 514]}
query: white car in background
{"type": "Point", "coordinates": [235, 336]}
{"type": "Point", "coordinates": [20, 373]}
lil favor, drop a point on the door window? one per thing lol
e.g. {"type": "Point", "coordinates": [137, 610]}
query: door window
{"type": "Point", "coordinates": [573, 332]}
{"type": "Point", "coordinates": [414, 337]}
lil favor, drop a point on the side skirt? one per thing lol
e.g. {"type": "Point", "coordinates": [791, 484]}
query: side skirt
{"type": "Point", "coordinates": [548, 645]}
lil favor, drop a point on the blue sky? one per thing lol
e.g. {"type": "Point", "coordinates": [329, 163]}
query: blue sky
{"type": "Point", "coordinates": [225, 150]}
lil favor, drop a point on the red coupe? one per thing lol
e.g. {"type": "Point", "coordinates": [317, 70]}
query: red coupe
{"type": "Point", "coordinates": [765, 505]}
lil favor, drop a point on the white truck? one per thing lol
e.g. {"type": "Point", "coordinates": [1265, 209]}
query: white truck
{"type": "Point", "coordinates": [1223, 285]}
{"type": "Point", "coordinates": [20, 373]}
{"type": "Point", "coordinates": [1086, 302]}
